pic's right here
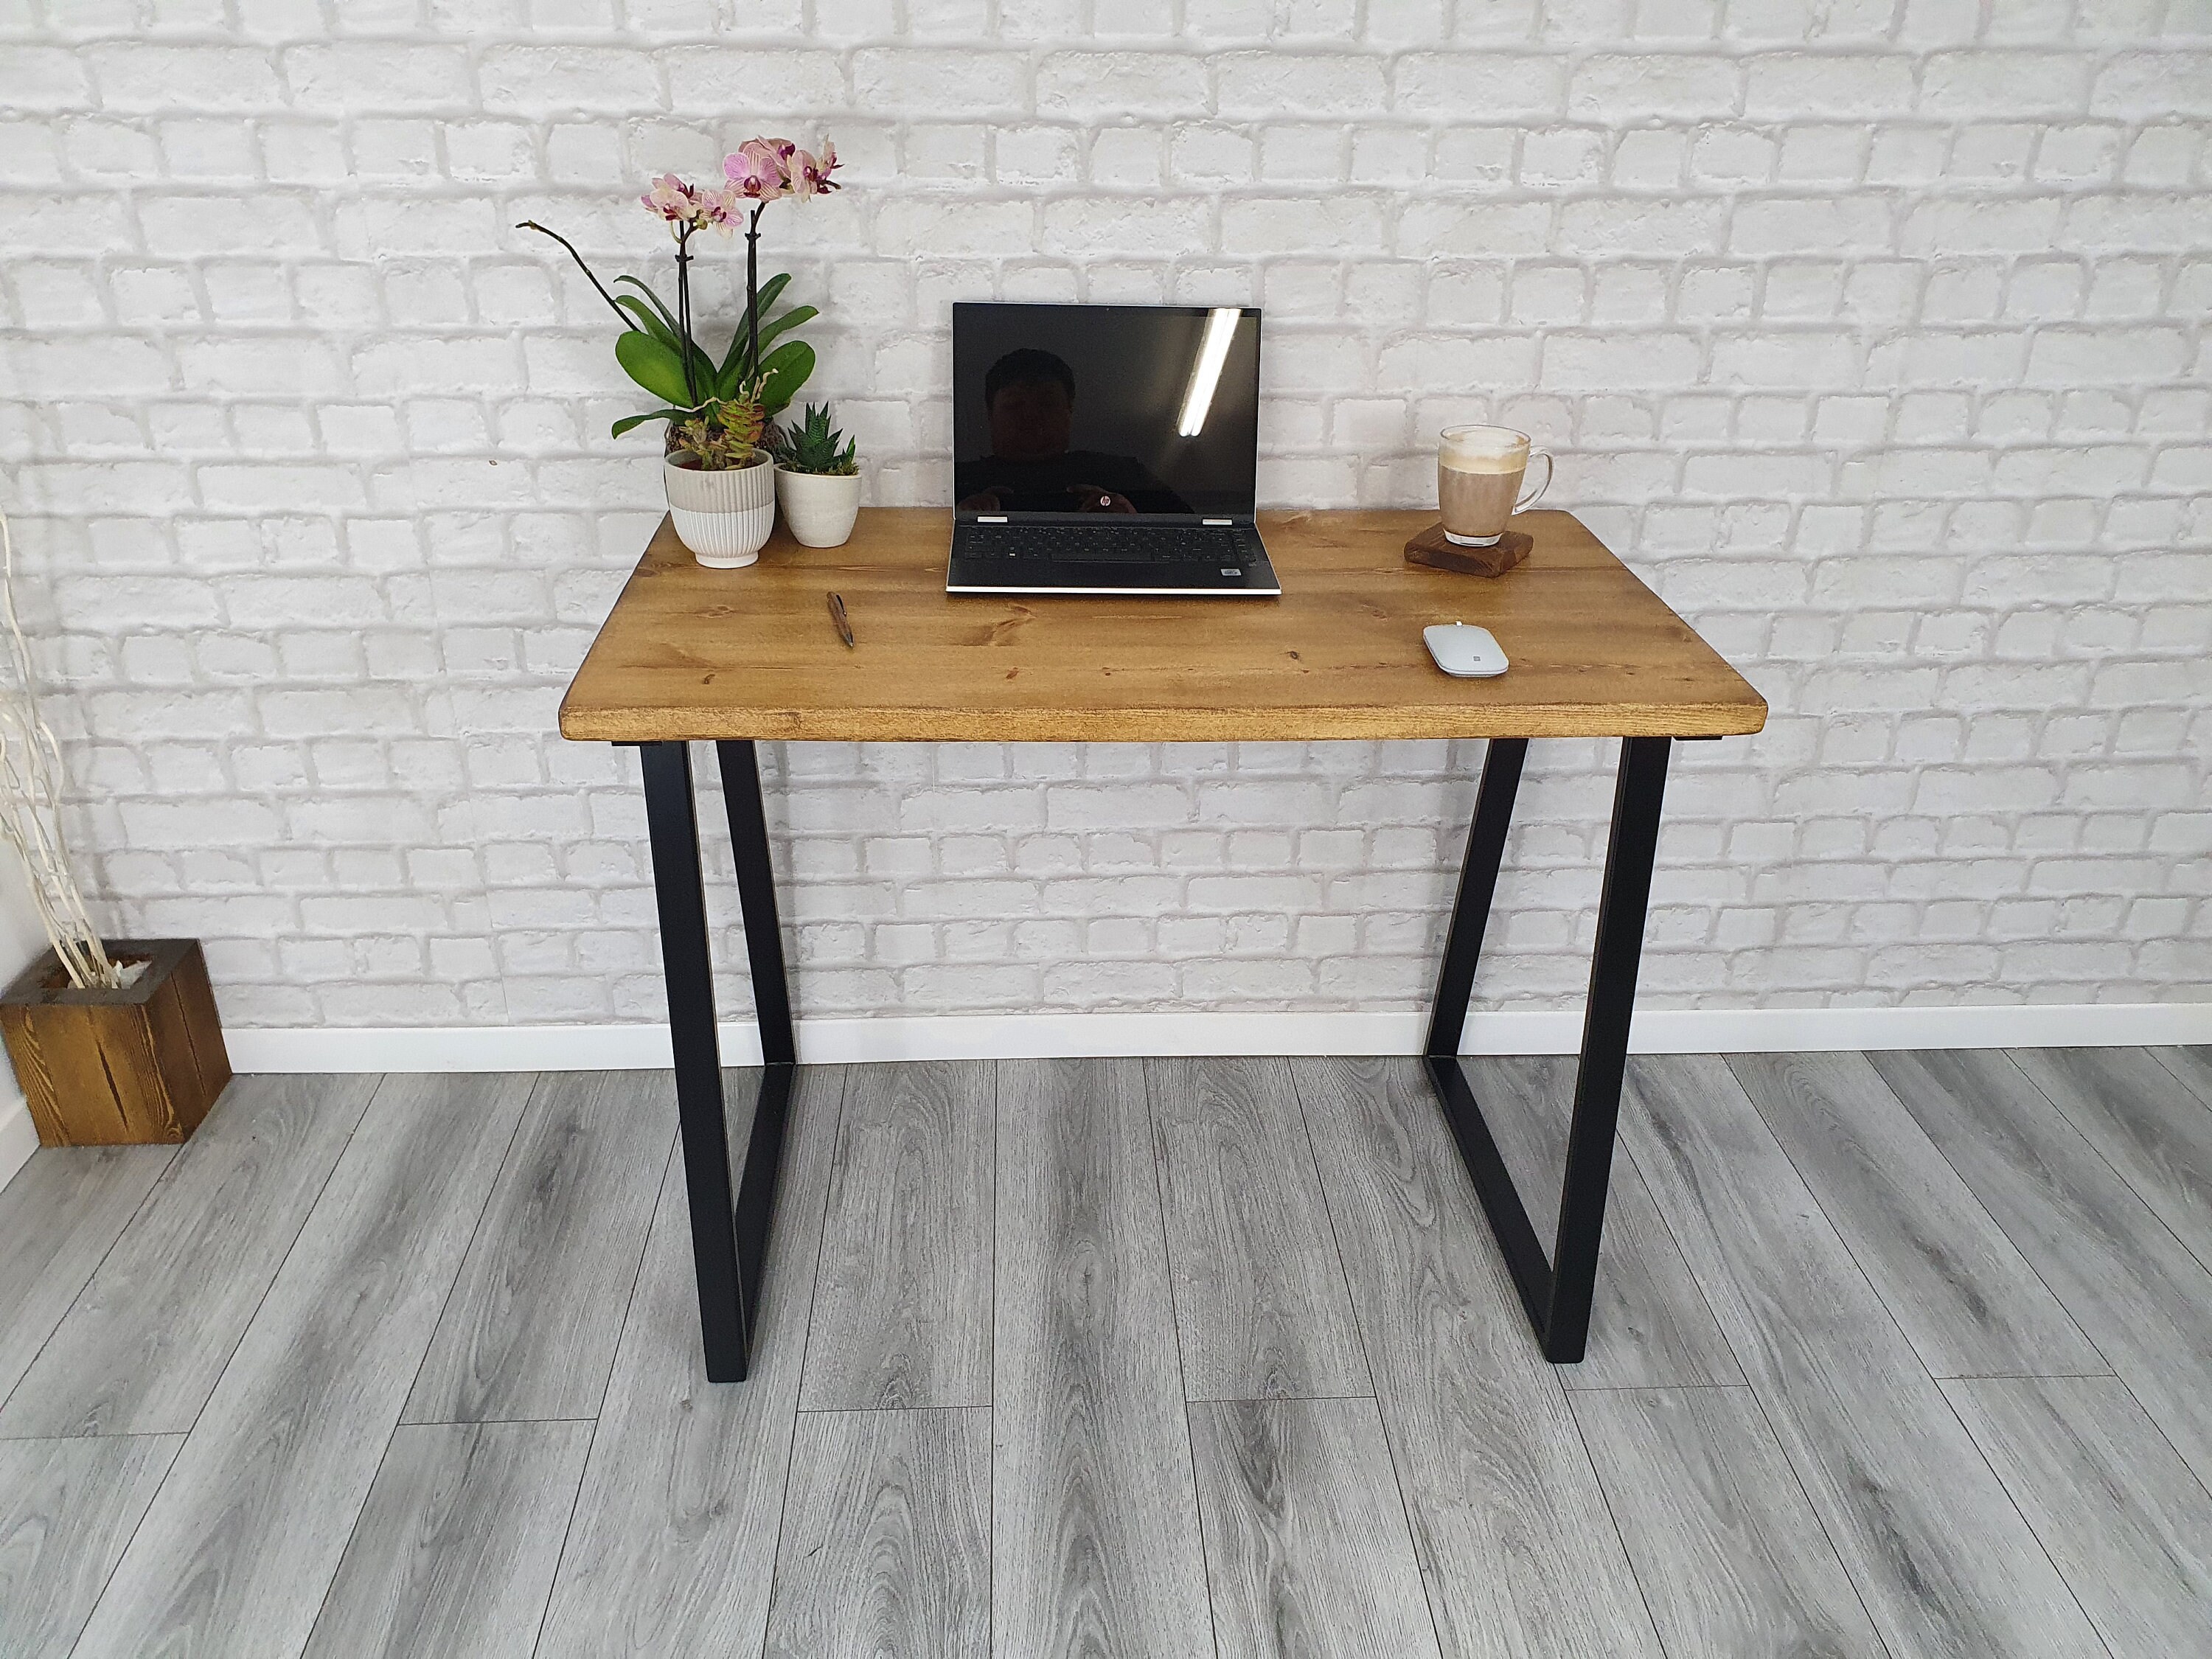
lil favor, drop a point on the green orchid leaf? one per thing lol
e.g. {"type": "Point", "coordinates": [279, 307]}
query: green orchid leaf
{"type": "Point", "coordinates": [769, 289]}
{"type": "Point", "coordinates": [629, 420]}
{"type": "Point", "coordinates": [654, 366]}
{"type": "Point", "coordinates": [666, 315]}
{"type": "Point", "coordinates": [790, 318]}
{"type": "Point", "coordinates": [655, 323]}
{"type": "Point", "coordinates": [783, 371]}
{"type": "Point", "coordinates": [642, 317]}
{"type": "Point", "coordinates": [773, 287]}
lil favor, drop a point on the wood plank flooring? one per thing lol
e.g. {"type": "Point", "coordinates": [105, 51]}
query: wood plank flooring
{"type": "Point", "coordinates": [886, 1536]}
{"type": "Point", "coordinates": [1939, 1553]}
{"type": "Point", "coordinates": [142, 1347]}
{"type": "Point", "coordinates": [1095, 1531]}
{"type": "Point", "coordinates": [1902, 1356]}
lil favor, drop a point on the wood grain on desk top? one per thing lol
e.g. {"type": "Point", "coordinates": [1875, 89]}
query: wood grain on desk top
{"type": "Point", "coordinates": [695, 653]}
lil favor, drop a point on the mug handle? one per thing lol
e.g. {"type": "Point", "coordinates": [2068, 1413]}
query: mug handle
{"type": "Point", "coordinates": [1536, 495]}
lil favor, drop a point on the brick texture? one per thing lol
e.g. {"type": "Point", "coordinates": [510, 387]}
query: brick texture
{"type": "Point", "coordinates": [1871, 333]}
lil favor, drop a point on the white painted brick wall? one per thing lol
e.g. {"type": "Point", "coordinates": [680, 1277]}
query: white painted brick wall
{"type": "Point", "coordinates": [1870, 331]}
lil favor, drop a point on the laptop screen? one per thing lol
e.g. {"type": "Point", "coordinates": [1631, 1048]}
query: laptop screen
{"type": "Point", "coordinates": [1151, 411]}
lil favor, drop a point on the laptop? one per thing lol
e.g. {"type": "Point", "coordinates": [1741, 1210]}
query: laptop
{"type": "Point", "coordinates": [1107, 449]}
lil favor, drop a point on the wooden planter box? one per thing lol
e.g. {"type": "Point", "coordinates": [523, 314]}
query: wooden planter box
{"type": "Point", "coordinates": [112, 1068]}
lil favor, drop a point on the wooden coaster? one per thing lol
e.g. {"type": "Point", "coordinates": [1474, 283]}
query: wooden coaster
{"type": "Point", "coordinates": [1431, 548]}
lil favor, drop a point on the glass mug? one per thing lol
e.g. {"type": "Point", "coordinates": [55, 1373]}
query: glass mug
{"type": "Point", "coordinates": [1479, 473]}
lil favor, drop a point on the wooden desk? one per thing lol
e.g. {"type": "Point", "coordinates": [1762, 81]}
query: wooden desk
{"type": "Point", "coordinates": [735, 657]}
{"type": "Point", "coordinates": [692, 653]}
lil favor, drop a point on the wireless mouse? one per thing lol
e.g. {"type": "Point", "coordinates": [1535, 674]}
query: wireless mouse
{"type": "Point", "coordinates": [1465, 652]}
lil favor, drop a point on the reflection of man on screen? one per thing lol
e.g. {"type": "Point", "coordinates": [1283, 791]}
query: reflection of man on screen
{"type": "Point", "coordinates": [1030, 396]}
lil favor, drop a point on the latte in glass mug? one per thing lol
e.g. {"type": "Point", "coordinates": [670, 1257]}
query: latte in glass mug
{"type": "Point", "coordinates": [1478, 474]}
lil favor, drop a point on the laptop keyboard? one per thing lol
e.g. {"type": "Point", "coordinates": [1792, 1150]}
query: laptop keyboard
{"type": "Point", "coordinates": [1082, 543]}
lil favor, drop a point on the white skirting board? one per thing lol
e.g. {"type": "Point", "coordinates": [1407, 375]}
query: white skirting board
{"type": "Point", "coordinates": [1023, 1036]}
{"type": "Point", "coordinates": [1029, 1036]}
{"type": "Point", "coordinates": [19, 1138]}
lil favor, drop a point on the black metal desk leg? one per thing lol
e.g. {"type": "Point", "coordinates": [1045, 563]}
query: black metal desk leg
{"type": "Point", "coordinates": [1478, 883]}
{"type": "Point", "coordinates": [1614, 964]}
{"type": "Point", "coordinates": [1556, 1293]}
{"type": "Point", "coordinates": [673, 825]}
{"type": "Point", "coordinates": [741, 795]}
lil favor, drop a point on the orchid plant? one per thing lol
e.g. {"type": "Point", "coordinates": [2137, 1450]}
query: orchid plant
{"type": "Point", "coordinates": [716, 408]}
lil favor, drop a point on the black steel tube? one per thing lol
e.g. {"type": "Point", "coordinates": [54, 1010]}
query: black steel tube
{"type": "Point", "coordinates": [1478, 882]}
{"type": "Point", "coordinates": [741, 796]}
{"type": "Point", "coordinates": [1630, 852]}
{"type": "Point", "coordinates": [688, 965]}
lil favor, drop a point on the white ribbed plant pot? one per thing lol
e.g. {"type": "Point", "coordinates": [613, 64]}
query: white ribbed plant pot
{"type": "Point", "coordinates": [818, 507]}
{"type": "Point", "coordinates": [725, 517]}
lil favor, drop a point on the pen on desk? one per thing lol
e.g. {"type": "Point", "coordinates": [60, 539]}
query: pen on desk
{"type": "Point", "coordinates": [837, 616]}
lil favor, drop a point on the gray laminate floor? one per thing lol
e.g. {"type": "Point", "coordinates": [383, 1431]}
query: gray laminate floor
{"type": "Point", "coordinates": [1898, 1354]}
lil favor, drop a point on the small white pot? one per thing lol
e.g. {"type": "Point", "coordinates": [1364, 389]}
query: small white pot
{"type": "Point", "coordinates": [724, 518]}
{"type": "Point", "coordinates": [819, 508]}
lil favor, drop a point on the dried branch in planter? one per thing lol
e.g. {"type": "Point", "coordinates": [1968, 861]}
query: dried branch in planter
{"type": "Point", "coordinates": [30, 804]}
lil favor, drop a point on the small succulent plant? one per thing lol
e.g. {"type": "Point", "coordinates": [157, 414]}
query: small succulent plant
{"type": "Point", "coordinates": [720, 435]}
{"type": "Point", "coordinates": [812, 445]}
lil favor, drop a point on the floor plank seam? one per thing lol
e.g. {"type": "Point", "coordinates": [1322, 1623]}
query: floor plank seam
{"type": "Point", "coordinates": [1267, 1399]}
{"type": "Point", "coordinates": [2091, 1145]}
{"type": "Point", "coordinates": [995, 1275]}
{"type": "Point", "coordinates": [338, 1561]}
{"type": "Point", "coordinates": [1335, 1243]}
{"type": "Point", "coordinates": [69, 1307]}
{"type": "Point", "coordinates": [485, 1422]}
{"type": "Point", "coordinates": [2160, 1051]}
{"type": "Point", "coordinates": [2118, 1174]}
{"type": "Point", "coordinates": [537, 1086]}
{"type": "Point", "coordinates": [886, 1411]}
{"type": "Point", "coordinates": [1820, 1520]}
{"type": "Point", "coordinates": [1654, 1387]}
{"type": "Point", "coordinates": [2049, 1289]}
{"type": "Point", "coordinates": [1842, 1238]}
{"type": "Point", "coordinates": [1430, 1576]}
{"type": "Point", "coordinates": [1612, 1517]}
{"type": "Point", "coordinates": [569, 1522]}
{"type": "Point", "coordinates": [1175, 1318]}
{"type": "Point", "coordinates": [1972, 1439]}
{"type": "Point", "coordinates": [1623, 1149]}
{"type": "Point", "coordinates": [2160, 1429]}
{"type": "Point", "coordinates": [629, 1306]}
{"type": "Point", "coordinates": [806, 1341]}
{"type": "Point", "coordinates": [306, 1214]}
{"type": "Point", "coordinates": [2160, 1054]}
{"type": "Point", "coordinates": [636, 1277]}
{"type": "Point", "coordinates": [461, 1259]}
{"type": "Point", "coordinates": [1951, 1406]}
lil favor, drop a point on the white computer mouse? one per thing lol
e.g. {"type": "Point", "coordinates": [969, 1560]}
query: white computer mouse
{"type": "Point", "coordinates": [1468, 653]}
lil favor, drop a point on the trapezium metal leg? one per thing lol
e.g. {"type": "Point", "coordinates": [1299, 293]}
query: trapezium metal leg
{"type": "Point", "coordinates": [1478, 883]}
{"type": "Point", "coordinates": [671, 821]}
{"type": "Point", "coordinates": [1555, 1292]}
{"type": "Point", "coordinates": [1614, 962]}
{"type": "Point", "coordinates": [741, 794]}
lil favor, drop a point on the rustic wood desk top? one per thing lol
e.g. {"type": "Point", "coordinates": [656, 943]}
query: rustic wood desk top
{"type": "Point", "coordinates": [695, 653]}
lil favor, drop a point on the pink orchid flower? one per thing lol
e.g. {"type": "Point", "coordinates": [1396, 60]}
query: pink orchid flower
{"type": "Point", "coordinates": [689, 207]}
{"type": "Point", "coordinates": [720, 210]}
{"type": "Point", "coordinates": [757, 170]}
{"type": "Point", "coordinates": [670, 197]}
{"type": "Point", "coordinates": [810, 177]}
